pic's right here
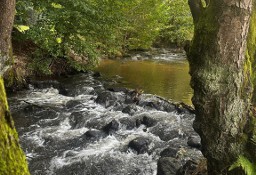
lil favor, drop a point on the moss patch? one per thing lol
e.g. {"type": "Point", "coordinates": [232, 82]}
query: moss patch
{"type": "Point", "coordinates": [251, 51]}
{"type": "Point", "coordinates": [12, 159]}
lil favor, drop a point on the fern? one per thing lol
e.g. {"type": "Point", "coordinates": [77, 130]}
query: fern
{"type": "Point", "coordinates": [248, 167]}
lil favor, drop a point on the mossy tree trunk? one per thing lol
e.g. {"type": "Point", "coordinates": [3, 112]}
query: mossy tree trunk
{"type": "Point", "coordinates": [12, 158]}
{"type": "Point", "coordinates": [221, 77]}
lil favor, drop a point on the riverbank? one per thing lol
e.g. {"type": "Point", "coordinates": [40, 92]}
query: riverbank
{"type": "Point", "coordinates": [160, 71]}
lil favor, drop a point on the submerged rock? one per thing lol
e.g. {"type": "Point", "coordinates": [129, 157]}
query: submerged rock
{"type": "Point", "coordinates": [73, 103]}
{"type": "Point", "coordinates": [94, 135]}
{"type": "Point", "coordinates": [140, 144]}
{"type": "Point", "coordinates": [106, 98]}
{"type": "Point", "coordinates": [111, 127]}
{"type": "Point", "coordinates": [50, 84]}
{"type": "Point", "coordinates": [76, 120]}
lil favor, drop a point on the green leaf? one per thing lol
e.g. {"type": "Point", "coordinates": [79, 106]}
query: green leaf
{"type": "Point", "coordinates": [58, 40]}
{"type": "Point", "coordinates": [21, 28]}
{"type": "Point", "coordinates": [57, 6]}
{"type": "Point", "coordinates": [248, 167]}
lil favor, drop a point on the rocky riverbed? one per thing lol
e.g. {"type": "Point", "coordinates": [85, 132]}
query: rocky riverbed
{"type": "Point", "coordinates": [77, 125]}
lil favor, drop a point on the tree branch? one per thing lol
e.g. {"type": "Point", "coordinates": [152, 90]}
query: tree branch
{"type": "Point", "coordinates": [195, 8]}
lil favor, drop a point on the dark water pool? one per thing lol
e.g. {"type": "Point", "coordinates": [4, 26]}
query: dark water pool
{"type": "Point", "coordinates": [168, 78]}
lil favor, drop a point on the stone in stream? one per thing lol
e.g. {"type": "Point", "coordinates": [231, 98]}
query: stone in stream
{"type": "Point", "coordinates": [168, 166]}
{"type": "Point", "coordinates": [118, 89]}
{"type": "Point", "coordinates": [73, 103]}
{"type": "Point", "coordinates": [50, 84]}
{"type": "Point", "coordinates": [93, 135]}
{"type": "Point", "coordinates": [194, 142]}
{"type": "Point", "coordinates": [140, 144]}
{"type": "Point", "coordinates": [169, 152]}
{"type": "Point", "coordinates": [148, 121]}
{"type": "Point", "coordinates": [96, 74]}
{"type": "Point", "coordinates": [129, 109]}
{"type": "Point", "coordinates": [173, 166]}
{"type": "Point", "coordinates": [193, 167]}
{"type": "Point", "coordinates": [128, 123]}
{"type": "Point", "coordinates": [111, 127]}
{"type": "Point", "coordinates": [79, 119]}
{"type": "Point", "coordinates": [164, 134]}
{"type": "Point", "coordinates": [183, 108]}
{"type": "Point", "coordinates": [157, 103]}
{"type": "Point", "coordinates": [106, 98]}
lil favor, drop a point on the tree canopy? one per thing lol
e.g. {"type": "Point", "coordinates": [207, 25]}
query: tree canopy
{"type": "Point", "coordinates": [81, 31]}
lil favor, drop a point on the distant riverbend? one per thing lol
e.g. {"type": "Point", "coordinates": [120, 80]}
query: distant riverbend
{"type": "Point", "coordinates": [164, 74]}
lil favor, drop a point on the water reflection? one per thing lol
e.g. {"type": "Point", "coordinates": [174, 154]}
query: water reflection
{"type": "Point", "coordinates": [164, 78]}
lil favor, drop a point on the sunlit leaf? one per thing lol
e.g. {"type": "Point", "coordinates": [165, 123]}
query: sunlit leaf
{"type": "Point", "coordinates": [21, 28]}
{"type": "Point", "coordinates": [58, 40]}
{"type": "Point", "coordinates": [57, 6]}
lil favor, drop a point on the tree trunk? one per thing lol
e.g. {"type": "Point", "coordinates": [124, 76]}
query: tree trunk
{"type": "Point", "coordinates": [7, 11]}
{"type": "Point", "coordinates": [221, 77]}
{"type": "Point", "coordinates": [12, 159]}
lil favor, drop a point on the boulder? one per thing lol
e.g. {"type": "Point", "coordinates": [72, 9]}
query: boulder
{"type": "Point", "coordinates": [158, 104]}
{"type": "Point", "coordinates": [148, 121]}
{"type": "Point", "coordinates": [111, 127]}
{"type": "Point", "coordinates": [168, 166]}
{"type": "Point", "coordinates": [128, 123]}
{"type": "Point", "coordinates": [129, 109]}
{"type": "Point", "coordinates": [165, 135]}
{"type": "Point", "coordinates": [183, 108]}
{"type": "Point", "coordinates": [106, 98]}
{"type": "Point", "coordinates": [194, 141]}
{"type": "Point", "coordinates": [169, 152]}
{"type": "Point", "coordinates": [140, 145]}
{"type": "Point", "coordinates": [133, 96]}
{"type": "Point", "coordinates": [188, 168]}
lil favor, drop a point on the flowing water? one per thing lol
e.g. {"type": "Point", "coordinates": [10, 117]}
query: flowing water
{"type": "Point", "coordinates": [78, 126]}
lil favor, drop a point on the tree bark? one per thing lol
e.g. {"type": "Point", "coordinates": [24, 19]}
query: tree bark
{"type": "Point", "coordinates": [221, 77]}
{"type": "Point", "coordinates": [12, 158]}
{"type": "Point", "coordinates": [7, 11]}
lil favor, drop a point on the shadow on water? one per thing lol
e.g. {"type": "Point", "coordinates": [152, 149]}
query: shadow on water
{"type": "Point", "coordinates": [169, 79]}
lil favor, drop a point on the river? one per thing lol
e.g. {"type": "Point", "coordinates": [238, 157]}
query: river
{"type": "Point", "coordinates": [165, 74]}
{"type": "Point", "coordinates": [87, 124]}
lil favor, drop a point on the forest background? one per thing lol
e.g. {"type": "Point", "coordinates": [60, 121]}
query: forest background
{"type": "Point", "coordinates": [58, 37]}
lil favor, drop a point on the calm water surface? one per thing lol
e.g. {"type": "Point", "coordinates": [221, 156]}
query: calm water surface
{"type": "Point", "coordinates": [166, 78]}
